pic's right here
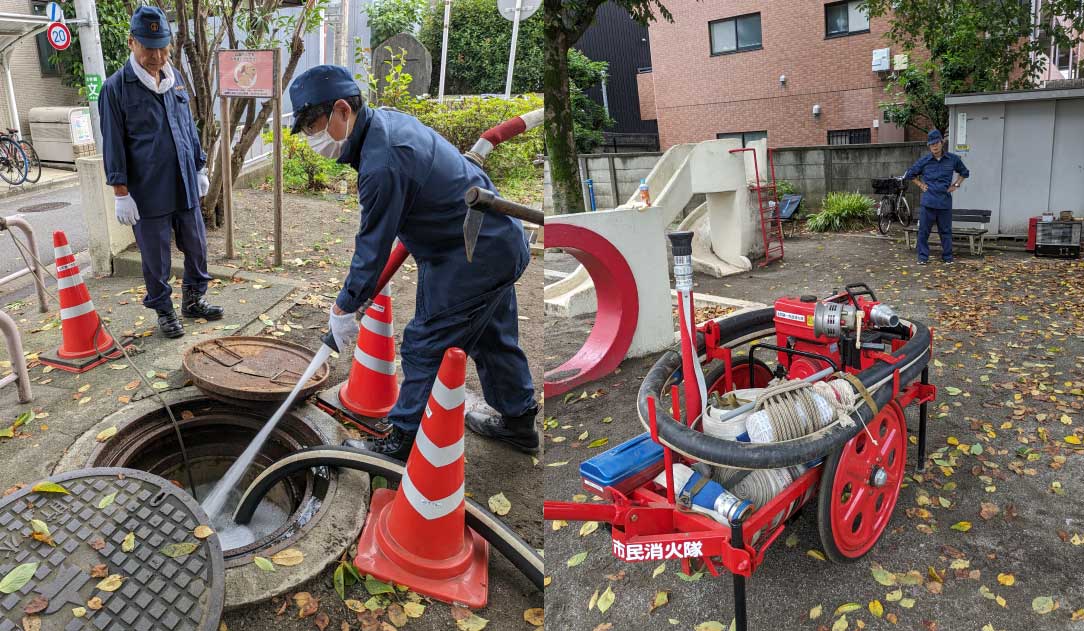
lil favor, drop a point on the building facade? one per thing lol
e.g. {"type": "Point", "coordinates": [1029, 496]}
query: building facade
{"type": "Point", "coordinates": [799, 73]}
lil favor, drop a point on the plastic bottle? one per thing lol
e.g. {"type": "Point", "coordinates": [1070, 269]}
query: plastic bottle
{"type": "Point", "coordinates": [645, 194]}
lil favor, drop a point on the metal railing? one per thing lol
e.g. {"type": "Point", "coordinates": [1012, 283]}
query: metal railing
{"type": "Point", "coordinates": [8, 327]}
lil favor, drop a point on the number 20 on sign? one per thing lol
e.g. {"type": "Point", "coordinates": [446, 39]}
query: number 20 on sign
{"type": "Point", "coordinates": [59, 36]}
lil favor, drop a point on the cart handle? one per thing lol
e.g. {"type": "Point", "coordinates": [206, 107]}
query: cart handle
{"type": "Point", "coordinates": [572, 511]}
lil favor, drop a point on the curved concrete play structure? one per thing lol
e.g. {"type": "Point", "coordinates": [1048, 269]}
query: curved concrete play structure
{"type": "Point", "coordinates": [726, 226]}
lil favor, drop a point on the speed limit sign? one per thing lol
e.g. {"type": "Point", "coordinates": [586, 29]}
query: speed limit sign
{"type": "Point", "coordinates": [59, 36]}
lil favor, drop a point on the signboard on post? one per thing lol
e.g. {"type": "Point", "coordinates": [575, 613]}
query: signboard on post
{"type": "Point", "coordinates": [59, 36]}
{"type": "Point", "coordinates": [248, 74]}
{"type": "Point", "coordinates": [54, 12]}
{"type": "Point", "coordinates": [93, 84]}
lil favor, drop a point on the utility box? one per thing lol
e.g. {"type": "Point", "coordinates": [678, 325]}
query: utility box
{"type": "Point", "coordinates": [61, 134]}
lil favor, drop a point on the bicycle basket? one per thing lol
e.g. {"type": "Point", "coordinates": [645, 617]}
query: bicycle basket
{"type": "Point", "coordinates": [887, 186]}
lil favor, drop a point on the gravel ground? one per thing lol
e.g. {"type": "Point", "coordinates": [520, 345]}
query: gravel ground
{"type": "Point", "coordinates": [1009, 343]}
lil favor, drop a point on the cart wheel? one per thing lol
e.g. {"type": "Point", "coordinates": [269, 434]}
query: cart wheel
{"type": "Point", "coordinates": [860, 485]}
{"type": "Point", "coordinates": [716, 379]}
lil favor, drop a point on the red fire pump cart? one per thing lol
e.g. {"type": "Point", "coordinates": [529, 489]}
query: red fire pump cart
{"type": "Point", "coordinates": [873, 363]}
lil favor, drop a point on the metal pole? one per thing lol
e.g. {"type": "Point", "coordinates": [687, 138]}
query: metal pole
{"type": "Point", "coordinates": [18, 362]}
{"type": "Point", "coordinates": [17, 221]}
{"type": "Point", "coordinates": [277, 166]}
{"type": "Point", "coordinates": [512, 51]}
{"type": "Point", "coordinates": [444, 48]}
{"type": "Point", "coordinates": [13, 107]}
{"type": "Point", "coordinates": [605, 97]}
{"type": "Point", "coordinates": [344, 38]}
{"type": "Point", "coordinates": [922, 416]}
{"type": "Point", "coordinates": [227, 174]}
{"type": "Point", "coordinates": [90, 44]}
{"type": "Point", "coordinates": [738, 541]}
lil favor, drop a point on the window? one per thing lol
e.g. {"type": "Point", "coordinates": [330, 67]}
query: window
{"type": "Point", "coordinates": [845, 18]}
{"type": "Point", "coordinates": [45, 51]}
{"type": "Point", "coordinates": [1064, 55]}
{"type": "Point", "coordinates": [734, 35]}
{"type": "Point", "coordinates": [849, 137]}
{"type": "Point", "coordinates": [745, 137]}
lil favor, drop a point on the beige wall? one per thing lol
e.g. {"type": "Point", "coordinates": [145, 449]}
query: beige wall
{"type": "Point", "coordinates": [31, 88]}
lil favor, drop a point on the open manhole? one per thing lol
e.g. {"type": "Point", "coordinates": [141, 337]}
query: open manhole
{"type": "Point", "coordinates": [215, 434]}
{"type": "Point", "coordinates": [41, 208]}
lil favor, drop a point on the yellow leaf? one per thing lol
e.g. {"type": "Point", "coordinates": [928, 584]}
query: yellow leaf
{"type": "Point", "coordinates": [840, 625]}
{"type": "Point", "coordinates": [111, 583]}
{"type": "Point", "coordinates": [876, 608]}
{"type": "Point", "coordinates": [1043, 605]}
{"type": "Point", "coordinates": [268, 566]}
{"type": "Point", "coordinates": [535, 616]}
{"type": "Point", "coordinates": [203, 531]}
{"type": "Point", "coordinates": [907, 603]}
{"type": "Point", "coordinates": [1072, 439]}
{"type": "Point", "coordinates": [49, 487]}
{"type": "Point", "coordinates": [415, 610]}
{"type": "Point", "coordinates": [962, 526]}
{"type": "Point", "coordinates": [588, 528]}
{"type": "Point", "coordinates": [288, 557]}
{"type": "Point", "coordinates": [79, 612]}
{"type": "Point", "coordinates": [84, 388]}
{"type": "Point", "coordinates": [473, 623]}
{"type": "Point", "coordinates": [816, 554]}
{"type": "Point", "coordinates": [358, 606]}
{"type": "Point", "coordinates": [894, 596]}
{"type": "Point", "coordinates": [816, 612]}
{"type": "Point", "coordinates": [606, 600]}
{"type": "Point", "coordinates": [658, 570]}
{"type": "Point", "coordinates": [1008, 580]}
{"type": "Point", "coordinates": [499, 504]}
{"type": "Point", "coordinates": [661, 598]}
{"type": "Point", "coordinates": [129, 543]}
{"type": "Point", "coordinates": [846, 608]}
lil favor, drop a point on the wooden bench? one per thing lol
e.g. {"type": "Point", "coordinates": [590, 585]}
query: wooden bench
{"type": "Point", "coordinates": [960, 215]}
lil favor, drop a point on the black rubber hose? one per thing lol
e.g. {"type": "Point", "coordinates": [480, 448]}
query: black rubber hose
{"type": "Point", "coordinates": [738, 330]}
{"type": "Point", "coordinates": [497, 533]}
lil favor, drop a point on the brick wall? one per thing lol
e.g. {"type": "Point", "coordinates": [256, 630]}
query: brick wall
{"type": "Point", "coordinates": [698, 95]}
{"type": "Point", "coordinates": [31, 88]}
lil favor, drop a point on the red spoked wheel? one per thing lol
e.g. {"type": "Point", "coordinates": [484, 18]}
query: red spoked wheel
{"type": "Point", "coordinates": [860, 486]}
{"type": "Point", "coordinates": [716, 379]}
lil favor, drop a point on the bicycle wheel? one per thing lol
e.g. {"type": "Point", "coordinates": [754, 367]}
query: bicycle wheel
{"type": "Point", "coordinates": [903, 209]}
{"type": "Point", "coordinates": [12, 162]}
{"type": "Point", "coordinates": [33, 163]}
{"type": "Point", "coordinates": [885, 210]}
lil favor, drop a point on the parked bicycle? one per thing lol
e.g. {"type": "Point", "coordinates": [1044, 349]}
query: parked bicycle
{"type": "Point", "coordinates": [14, 164]}
{"type": "Point", "coordinates": [33, 163]}
{"type": "Point", "coordinates": [893, 204]}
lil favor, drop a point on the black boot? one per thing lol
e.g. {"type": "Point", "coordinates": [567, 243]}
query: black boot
{"type": "Point", "coordinates": [397, 444]}
{"type": "Point", "coordinates": [194, 306]}
{"type": "Point", "coordinates": [169, 324]}
{"type": "Point", "coordinates": [518, 431]}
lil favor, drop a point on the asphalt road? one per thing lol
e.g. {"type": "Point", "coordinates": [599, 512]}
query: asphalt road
{"type": "Point", "coordinates": [68, 218]}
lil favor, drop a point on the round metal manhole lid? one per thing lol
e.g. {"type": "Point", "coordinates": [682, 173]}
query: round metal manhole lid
{"type": "Point", "coordinates": [41, 208]}
{"type": "Point", "coordinates": [158, 592]}
{"type": "Point", "coordinates": [251, 368]}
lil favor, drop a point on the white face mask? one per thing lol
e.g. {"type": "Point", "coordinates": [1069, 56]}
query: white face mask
{"type": "Point", "coordinates": [323, 144]}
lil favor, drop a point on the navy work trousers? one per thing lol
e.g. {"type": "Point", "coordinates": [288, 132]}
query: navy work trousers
{"type": "Point", "coordinates": [488, 331]}
{"type": "Point", "coordinates": [926, 219]}
{"type": "Point", "coordinates": [153, 237]}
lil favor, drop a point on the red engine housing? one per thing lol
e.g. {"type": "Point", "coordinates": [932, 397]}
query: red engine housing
{"type": "Point", "coordinates": [794, 329]}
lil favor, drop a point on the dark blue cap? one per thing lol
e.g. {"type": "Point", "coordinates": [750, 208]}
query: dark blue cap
{"type": "Point", "coordinates": [150, 27]}
{"type": "Point", "coordinates": [933, 137]}
{"type": "Point", "coordinates": [320, 84]}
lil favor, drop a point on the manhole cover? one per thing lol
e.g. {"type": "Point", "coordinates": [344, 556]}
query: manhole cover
{"type": "Point", "coordinates": [159, 592]}
{"type": "Point", "coordinates": [251, 368]}
{"type": "Point", "coordinates": [40, 208]}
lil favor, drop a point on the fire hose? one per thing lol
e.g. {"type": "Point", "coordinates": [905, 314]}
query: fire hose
{"type": "Point", "coordinates": [740, 329]}
{"type": "Point", "coordinates": [497, 533]}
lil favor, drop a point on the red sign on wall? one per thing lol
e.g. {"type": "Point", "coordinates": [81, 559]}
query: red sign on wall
{"type": "Point", "coordinates": [246, 73]}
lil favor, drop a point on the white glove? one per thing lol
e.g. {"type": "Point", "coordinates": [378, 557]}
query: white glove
{"type": "Point", "coordinates": [344, 328]}
{"type": "Point", "coordinates": [204, 183]}
{"type": "Point", "coordinates": [127, 212]}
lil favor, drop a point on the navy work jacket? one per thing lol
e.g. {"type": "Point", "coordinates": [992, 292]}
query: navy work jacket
{"type": "Point", "coordinates": [937, 174]}
{"type": "Point", "coordinates": [411, 183]}
{"type": "Point", "coordinates": [150, 143]}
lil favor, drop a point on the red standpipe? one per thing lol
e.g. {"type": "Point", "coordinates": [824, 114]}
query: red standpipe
{"type": "Point", "coordinates": [395, 260]}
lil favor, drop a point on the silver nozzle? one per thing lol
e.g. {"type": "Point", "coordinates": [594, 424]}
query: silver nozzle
{"type": "Point", "coordinates": [883, 316]}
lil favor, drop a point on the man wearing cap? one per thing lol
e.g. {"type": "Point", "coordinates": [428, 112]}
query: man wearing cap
{"type": "Point", "coordinates": [942, 173]}
{"type": "Point", "coordinates": [157, 169]}
{"type": "Point", "coordinates": [411, 184]}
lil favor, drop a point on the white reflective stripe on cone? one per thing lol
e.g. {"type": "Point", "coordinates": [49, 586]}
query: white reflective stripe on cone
{"type": "Point", "coordinates": [76, 311]}
{"type": "Point", "coordinates": [383, 329]}
{"type": "Point", "coordinates": [438, 456]}
{"type": "Point", "coordinates": [427, 508]}
{"type": "Point", "coordinates": [374, 363]}
{"type": "Point", "coordinates": [62, 250]}
{"type": "Point", "coordinates": [65, 282]}
{"type": "Point", "coordinates": [448, 398]}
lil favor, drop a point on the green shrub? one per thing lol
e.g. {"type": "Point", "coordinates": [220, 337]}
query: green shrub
{"type": "Point", "coordinates": [391, 17]}
{"type": "Point", "coordinates": [589, 119]}
{"type": "Point", "coordinates": [785, 187]}
{"type": "Point", "coordinates": [841, 211]}
{"type": "Point", "coordinates": [304, 170]}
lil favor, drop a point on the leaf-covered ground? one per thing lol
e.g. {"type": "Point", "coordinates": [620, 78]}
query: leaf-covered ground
{"type": "Point", "coordinates": [990, 537]}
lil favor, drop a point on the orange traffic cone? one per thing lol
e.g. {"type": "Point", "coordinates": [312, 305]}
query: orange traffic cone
{"type": "Point", "coordinates": [85, 343]}
{"type": "Point", "coordinates": [372, 388]}
{"type": "Point", "coordinates": [417, 536]}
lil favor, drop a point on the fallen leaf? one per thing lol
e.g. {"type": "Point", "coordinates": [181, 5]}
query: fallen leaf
{"type": "Point", "coordinates": [988, 510]}
{"type": "Point", "coordinates": [499, 504]}
{"type": "Point", "coordinates": [129, 542]}
{"type": "Point", "coordinates": [17, 578]}
{"type": "Point", "coordinates": [658, 570]}
{"type": "Point", "coordinates": [1008, 580]}
{"type": "Point", "coordinates": [106, 434]}
{"type": "Point", "coordinates": [588, 527]}
{"type": "Point", "coordinates": [354, 605]}
{"type": "Point", "coordinates": [203, 531]}
{"type": "Point", "coordinates": [288, 557]}
{"type": "Point", "coordinates": [321, 620]}
{"type": "Point", "coordinates": [31, 623]}
{"type": "Point", "coordinates": [816, 612]}
{"type": "Point", "coordinates": [576, 559]}
{"type": "Point", "coordinates": [535, 616]}
{"type": "Point", "coordinates": [1043, 605]}
{"type": "Point", "coordinates": [883, 576]}
{"type": "Point", "coordinates": [97, 543]}
{"type": "Point", "coordinates": [907, 603]}
{"type": "Point", "coordinates": [598, 442]}
{"type": "Point", "coordinates": [415, 610]}
{"type": "Point", "coordinates": [606, 600]}
{"type": "Point", "coordinates": [876, 608]}
{"type": "Point", "coordinates": [661, 598]}
{"type": "Point", "coordinates": [36, 605]}
{"type": "Point", "coordinates": [840, 625]}
{"type": "Point", "coordinates": [264, 564]}
{"type": "Point", "coordinates": [396, 615]}
{"type": "Point", "coordinates": [175, 550]}
{"type": "Point", "coordinates": [79, 612]}
{"type": "Point", "coordinates": [473, 623]}
{"type": "Point", "coordinates": [846, 608]}
{"type": "Point", "coordinates": [111, 583]}
{"type": "Point", "coordinates": [99, 571]}
{"type": "Point", "coordinates": [962, 526]}
{"type": "Point", "coordinates": [309, 608]}
{"type": "Point", "coordinates": [49, 487]}
{"type": "Point", "coordinates": [816, 554]}
{"type": "Point", "coordinates": [94, 603]}
{"type": "Point", "coordinates": [107, 500]}
{"type": "Point", "coordinates": [711, 625]}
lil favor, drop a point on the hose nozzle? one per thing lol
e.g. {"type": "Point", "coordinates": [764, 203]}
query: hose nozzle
{"type": "Point", "coordinates": [883, 316]}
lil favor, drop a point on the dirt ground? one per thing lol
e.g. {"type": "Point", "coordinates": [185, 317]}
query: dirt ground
{"type": "Point", "coordinates": [992, 534]}
{"type": "Point", "coordinates": [318, 237]}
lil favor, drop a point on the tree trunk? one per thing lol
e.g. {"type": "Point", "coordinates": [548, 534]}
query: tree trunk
{"type": "Point", "coordinates": [560, 139]}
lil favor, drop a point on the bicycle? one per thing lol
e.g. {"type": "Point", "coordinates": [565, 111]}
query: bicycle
{"type": "Point", "coordinates": [33, 165]}
{"type": "Point", "coordinates": [893, 204]}
{"type": "Point", "coordinates": [14, 164]}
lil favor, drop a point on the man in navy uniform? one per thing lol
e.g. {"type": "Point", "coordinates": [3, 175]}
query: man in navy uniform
{"type": "Point", "coordinates": [411, 184]}
{"type": "Point", "coordinates": [942, 173]}
{"type": "Point", "coordinates": [157, 169]}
